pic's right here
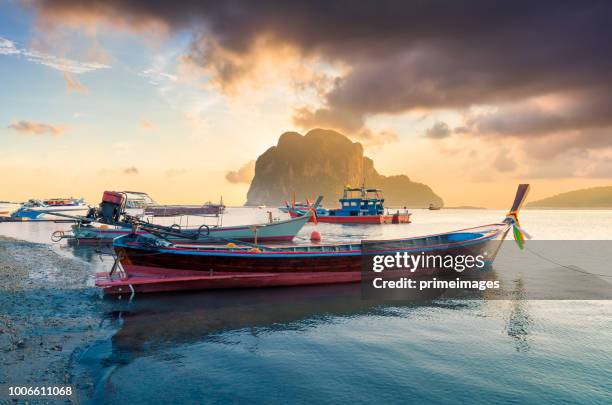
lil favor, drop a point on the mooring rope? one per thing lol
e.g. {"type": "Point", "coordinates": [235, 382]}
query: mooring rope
{"type": "Point", "coordinates": [576, 269]}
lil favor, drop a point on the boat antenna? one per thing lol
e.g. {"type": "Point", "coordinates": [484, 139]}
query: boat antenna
{"type": "Point", "coordinates": [363, 182]}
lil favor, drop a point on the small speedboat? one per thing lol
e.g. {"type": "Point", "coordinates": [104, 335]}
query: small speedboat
{"type": "Point", "coordinates": [302, 207]}
{"type": "Point", "coordinates": [147, 263]}
{"type": "Point", "coordinates": [45, 209]}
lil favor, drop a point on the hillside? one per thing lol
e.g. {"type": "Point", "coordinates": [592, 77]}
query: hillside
{"type": "Point", "coordinates": [322, 162]}
{"type": "Point", "coordinates": [597, 197]}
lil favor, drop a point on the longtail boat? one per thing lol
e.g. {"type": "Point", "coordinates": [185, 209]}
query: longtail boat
{"type": "Point", "coordinates": [146, 263]}
{"type": "Point", "coordinates": [112, 219]}
{"type": "Point", "coordinates": [357, 206]}
{"type": "Point", "coordinates": [276, 231]}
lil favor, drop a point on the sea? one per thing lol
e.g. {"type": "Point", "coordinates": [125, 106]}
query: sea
{"type": "Point", "coordinates": [317, 344]}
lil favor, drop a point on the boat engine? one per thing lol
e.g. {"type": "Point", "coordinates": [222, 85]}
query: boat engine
{"type": "Point", "coordinates": [111, 206]}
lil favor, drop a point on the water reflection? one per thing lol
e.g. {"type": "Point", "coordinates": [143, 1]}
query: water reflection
{"type": "Point", "coordinates": [153, 322]}
{"type": "Point", "coordinates": [519, 322]}
{"type": "Point", "coordinates": [99, 256]}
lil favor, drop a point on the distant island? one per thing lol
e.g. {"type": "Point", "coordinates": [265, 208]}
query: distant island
{"type": "Point", "coordinates": [323, 162]}
{"type": "Point", "coordinates": [590, 198]}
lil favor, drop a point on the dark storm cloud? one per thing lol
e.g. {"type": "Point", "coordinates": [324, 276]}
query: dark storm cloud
{"type": "Point", "coordinates": [403, 55]}
{"type": "Point", "coordinates": [587, 110]}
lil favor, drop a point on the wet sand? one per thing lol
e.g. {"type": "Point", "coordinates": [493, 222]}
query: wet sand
{"type": "Point", "coordinates": [46, 314]}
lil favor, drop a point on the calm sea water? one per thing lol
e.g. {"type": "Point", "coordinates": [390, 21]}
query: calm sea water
{"type": "Point", "coordinates": [327, 345]}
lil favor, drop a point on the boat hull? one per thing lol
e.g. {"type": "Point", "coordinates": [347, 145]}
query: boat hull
{"type": "Point", "coordinates": [148, 281]}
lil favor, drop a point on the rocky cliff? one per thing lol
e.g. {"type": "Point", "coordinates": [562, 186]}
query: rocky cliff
{"type": "Point", "coordinates": [322, 162]}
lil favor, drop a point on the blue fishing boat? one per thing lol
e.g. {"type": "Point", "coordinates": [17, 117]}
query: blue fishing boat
{"type": "Point", "coordinates": [357, 206]}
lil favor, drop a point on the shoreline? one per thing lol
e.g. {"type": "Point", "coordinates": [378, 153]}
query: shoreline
{"type": "Point", "coordinates": [47, 314]}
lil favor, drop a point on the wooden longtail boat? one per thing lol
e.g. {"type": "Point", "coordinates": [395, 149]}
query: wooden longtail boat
{"type": "Point", "coordinates": [357, 206]}
{"type": "Point", "coordinates": [147, 264]}
{"type": "Point", "coordinates": [277, 231]}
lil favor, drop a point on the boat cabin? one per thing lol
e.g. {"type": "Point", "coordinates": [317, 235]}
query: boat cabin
{"type": "Point", "coordinates": [360, 202]}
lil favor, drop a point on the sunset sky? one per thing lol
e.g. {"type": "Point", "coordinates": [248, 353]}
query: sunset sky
{"type": "Point", "coordinates": [177, 98]}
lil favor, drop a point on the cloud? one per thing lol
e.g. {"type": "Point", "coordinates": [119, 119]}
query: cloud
{"type": "Point", "coordinates": [344, 121]}
{"type": "Point", "coordinates": [403, 56]}
{"type": "Point", "coordinates": [36, 128]}
{"type": "Point", "coordinates": [504, 162]}
{"type": "Point", "coordinates": [73, 84]}
{"type": "Point", "coordinates": [156, 77]}
{"type": "Point", "coordinates": [146, 125]}
{"type": "Point", "coordinates": [545, 115]}
{"type": "Point", "coordinates": [8, 47]}
{"type": "Point", "coordinates": [598, 169]}
{"type": "Point", "coordinates": [243, 175]}
{"type": "Point", "coordinates": [439, 130]}
{"type": "Point", "coordinates": [131, 170]}
{"type": "Point", "coordinates": [372, 138]}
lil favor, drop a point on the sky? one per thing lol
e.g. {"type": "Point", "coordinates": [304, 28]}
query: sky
{"type": "Point", "coordinates": [179, 99]}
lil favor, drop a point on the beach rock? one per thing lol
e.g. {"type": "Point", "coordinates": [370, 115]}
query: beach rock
{"type": "Point", "coordinates": [323, 162]}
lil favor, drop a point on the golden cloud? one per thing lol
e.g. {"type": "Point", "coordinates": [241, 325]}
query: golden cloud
{"type": "Point", "coordinates": [243, 175]}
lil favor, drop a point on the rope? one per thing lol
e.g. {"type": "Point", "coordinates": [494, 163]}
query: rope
{"type": "Point", "coordinates": [520, 235]}
{"type": "Point", "coordinates": [576, 269]}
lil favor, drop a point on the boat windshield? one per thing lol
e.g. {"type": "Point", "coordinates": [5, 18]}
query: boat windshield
{"type": "Point", "coordinates": [33, 203]}
{"type": "Point", "coordinates": [138, 200]}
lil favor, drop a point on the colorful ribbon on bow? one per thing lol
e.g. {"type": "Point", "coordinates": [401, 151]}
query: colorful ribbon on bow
{"type": "Point", "coordinates": [519, 234]}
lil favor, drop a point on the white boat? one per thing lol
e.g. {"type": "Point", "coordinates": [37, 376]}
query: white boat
{"type": "Point", "coordinates": [7, 208]}
{"type": "Point", "coordinates": [44, 209]}
{"type": "Point", "coordinates": [275, 231]}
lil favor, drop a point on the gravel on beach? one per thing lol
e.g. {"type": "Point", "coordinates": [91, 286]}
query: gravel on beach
{"type": "Point", "coordinates": [47, 312]}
